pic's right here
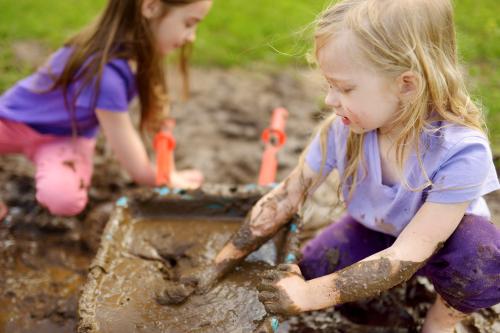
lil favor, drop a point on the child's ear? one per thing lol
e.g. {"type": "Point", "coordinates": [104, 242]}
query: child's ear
{"type": "Point", "coordinates": [150, 8]}
{"type": "Point", "coordinates": [407, 84]}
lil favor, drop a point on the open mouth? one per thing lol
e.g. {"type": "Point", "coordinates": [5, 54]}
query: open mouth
{"type": "Point", "coordinates": [346, 121]}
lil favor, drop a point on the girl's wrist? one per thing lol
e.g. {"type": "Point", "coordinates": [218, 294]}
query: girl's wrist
{"type": "Point", "coordinates": [318, 296]}
{"type": "Point", "coordinates": [309, 299]}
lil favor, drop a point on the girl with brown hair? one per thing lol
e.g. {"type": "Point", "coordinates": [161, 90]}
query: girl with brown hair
{"type": "Point", "coordinates": [53, 116]}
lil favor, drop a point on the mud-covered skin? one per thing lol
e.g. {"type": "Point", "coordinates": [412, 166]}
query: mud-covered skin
{"type": "Point", "coordinates": [245, 241]}
{"type": "Point", "coordinates": [174, 293]}
{"type": "Point", "coordinates": [275, 298]}
{"type": "Point", "coordinates": [274, 210]}
{"type": "Point", "coordinates": [198, 281]}
{"type": "Point", "coordinates": [368, 278]}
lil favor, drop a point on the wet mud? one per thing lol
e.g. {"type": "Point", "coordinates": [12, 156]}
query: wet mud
{"type": "Point", "coordinates": [40, 282]}
{"type": "Point", "coordinates": [44, 261]}
{"type": "Point", "coordinates": [139, 258]}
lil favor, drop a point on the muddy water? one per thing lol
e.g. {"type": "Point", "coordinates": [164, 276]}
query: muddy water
{"type": "Point", "coordinates": [40, 283]}
{"type": "Point", "coordinates": [153, 251]}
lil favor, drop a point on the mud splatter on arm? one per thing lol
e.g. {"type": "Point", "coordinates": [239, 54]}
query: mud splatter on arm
{"type": "Point", "coordinates": [271, 212]}
{"type": "Point", "coordinates": [365, 279]}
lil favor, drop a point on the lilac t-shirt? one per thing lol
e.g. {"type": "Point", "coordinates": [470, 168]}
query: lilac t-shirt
{"type": "Point", "coordinates": [29, 101]}
{"type": "Point", "coordinates": [457, 159]}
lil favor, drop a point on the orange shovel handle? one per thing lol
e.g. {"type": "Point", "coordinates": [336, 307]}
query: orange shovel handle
{"type": "Point", "coordinates": [274, 137]}
{"type": "Point", "coordinates": [164, 145]}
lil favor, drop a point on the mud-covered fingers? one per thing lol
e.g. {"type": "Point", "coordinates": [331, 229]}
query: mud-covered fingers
{"type": "Point", "coordinates": [267, 285]}
{"type": "Point", "coordinates": [273, 307]}
{"type": "Point", "coordinates": [290, 268]}
{"type": "Point", "coordinates": [273, 275]}
{"type": "Point", "coordinates": [174, 294]}
{"type": "Point", "coordinates": [267, 297]}
{"type": "Point", "coordinates": [189, 280]}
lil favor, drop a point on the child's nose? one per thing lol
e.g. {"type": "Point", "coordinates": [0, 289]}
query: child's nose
{"type": "Point", "coordinates": [332, 99]}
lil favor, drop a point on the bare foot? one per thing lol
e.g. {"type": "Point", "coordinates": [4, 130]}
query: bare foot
{"type": "Point", "coordinates": [442, 318]}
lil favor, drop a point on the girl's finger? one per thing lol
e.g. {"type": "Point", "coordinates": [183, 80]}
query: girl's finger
{"type": "Point", "coordinates": [271, 275]}
{"type": "Point", "coordinates": [272, 308]}
{"type": "Point", "coordinates": [263, 286]}
{"type": "Point", "coordinates": [290, 268]}
{"type": "Point", "coordinates": [266, 297]}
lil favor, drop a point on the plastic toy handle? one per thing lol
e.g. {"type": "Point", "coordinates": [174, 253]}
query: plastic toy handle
{"type": "Point", "coordinates": [164, 145]}
{"type": "Point", "coordinates": [275, 133]}
{"type": "Point", "coordinates": [274, 137]}
{"type": "Point", "coordinates": [278, 120]}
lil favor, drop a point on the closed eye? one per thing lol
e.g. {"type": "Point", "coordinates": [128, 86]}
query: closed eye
{"type": "Point", "coordinates": [346, 90]}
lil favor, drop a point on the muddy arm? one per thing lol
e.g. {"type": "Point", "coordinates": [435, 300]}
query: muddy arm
{"type": "Point", "coordinates": [269, 214]}
{"type": "Point", "coordinates": [415, 245]}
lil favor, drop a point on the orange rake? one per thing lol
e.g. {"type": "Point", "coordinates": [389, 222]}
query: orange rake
{"type": "Point", "coordinates": [274, 138]}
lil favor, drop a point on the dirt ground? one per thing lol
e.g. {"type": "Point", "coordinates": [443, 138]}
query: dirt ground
{"type": "Point", "coordinates": [44, 260]}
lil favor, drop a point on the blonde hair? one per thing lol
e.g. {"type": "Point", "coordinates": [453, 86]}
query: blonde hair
{"type": "Point", "coordinates": [396, 36]}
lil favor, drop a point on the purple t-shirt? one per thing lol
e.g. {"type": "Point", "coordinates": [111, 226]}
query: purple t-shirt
{"type": "Point", "coordinates": [29, 101]}
{"type": "Point", "coordinates": [457, 159]}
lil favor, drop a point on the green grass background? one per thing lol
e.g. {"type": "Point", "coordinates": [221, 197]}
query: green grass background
{"type": "Point", "coordinates": [242, 33]}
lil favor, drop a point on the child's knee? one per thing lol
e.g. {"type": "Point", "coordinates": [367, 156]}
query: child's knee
{"type": "Point", "coordinates": [467, 274]}
{"type": "Point", "coordinates": [62, 199]}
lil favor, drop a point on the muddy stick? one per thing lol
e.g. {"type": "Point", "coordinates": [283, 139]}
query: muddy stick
{"type": "Point", "coordinates": [290, 255]}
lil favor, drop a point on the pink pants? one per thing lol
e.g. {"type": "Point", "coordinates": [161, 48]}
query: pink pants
{"type": "Point", "coordinates": [63, 165]}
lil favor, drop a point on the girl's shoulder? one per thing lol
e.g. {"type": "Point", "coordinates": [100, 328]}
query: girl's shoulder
{"type": "Point", "coordinates": [460, 164]}
{"type": "Point", "coordinates": [58, 60]}
{"type": "Point", "coordinates": [446, 136]}
{"type": "Point", "coordinates": [451, 145]}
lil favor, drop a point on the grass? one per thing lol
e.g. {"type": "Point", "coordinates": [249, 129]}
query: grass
{"type": "Point", "coordinates": [240, 33]}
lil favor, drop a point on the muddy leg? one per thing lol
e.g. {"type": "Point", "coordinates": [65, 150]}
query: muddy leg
{"type": "Point", "coordinates": [442, 318]}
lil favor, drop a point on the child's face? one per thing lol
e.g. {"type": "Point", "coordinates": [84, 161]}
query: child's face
{"type": "Point", "coordinates": [178, 26]}
{"type": "Point", "coordinates": [365, 99]}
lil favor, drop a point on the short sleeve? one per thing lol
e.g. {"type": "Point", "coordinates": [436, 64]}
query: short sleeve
{"type": "Point", "coordinates": [113, 90]}
{"type": "Point", "coordinates": [467, 173]}
{"type": "Point", "coordinates": [314, 156]}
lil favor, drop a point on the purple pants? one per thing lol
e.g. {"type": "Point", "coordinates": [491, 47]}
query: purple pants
{"type": "Point", "coordinates": [465, 272]}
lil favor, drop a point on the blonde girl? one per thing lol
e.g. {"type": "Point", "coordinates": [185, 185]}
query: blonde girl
{"type": "Point", "coordinates": [414, 161]}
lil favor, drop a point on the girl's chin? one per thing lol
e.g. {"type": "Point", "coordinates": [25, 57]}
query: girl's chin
{"type": "Point", "coordinates": [358, 130]}
{"type": "Point", "coordinates": [166, 50]}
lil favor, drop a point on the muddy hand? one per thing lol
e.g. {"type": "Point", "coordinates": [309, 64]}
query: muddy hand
{"type": "Point", "coordinates": [283, 290]}
{"type": "Point", "coordinates": [174, 293]}
{"type": "Point", "coordinates": [199, 281]}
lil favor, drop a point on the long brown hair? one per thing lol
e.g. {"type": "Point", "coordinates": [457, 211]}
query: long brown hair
{"type": "Point", "coordinates": [121, 31]}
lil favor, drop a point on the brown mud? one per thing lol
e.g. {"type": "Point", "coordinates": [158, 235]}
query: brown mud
{"type": "Point", "coordinates": [44, 260]}
{"type": "Point", "coordinates": [138, 256]}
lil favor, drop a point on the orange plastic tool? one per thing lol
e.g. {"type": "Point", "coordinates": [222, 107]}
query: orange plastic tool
{"type": "Point", "coordinates": [274, 138]}
{"type": "Point", "coordinates": [164, 145]}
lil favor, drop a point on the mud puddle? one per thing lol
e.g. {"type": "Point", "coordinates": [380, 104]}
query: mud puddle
{"type": "Point", "coordinates": [41, 280]}
{"type": "Point", "coordinates": [148, 253]}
